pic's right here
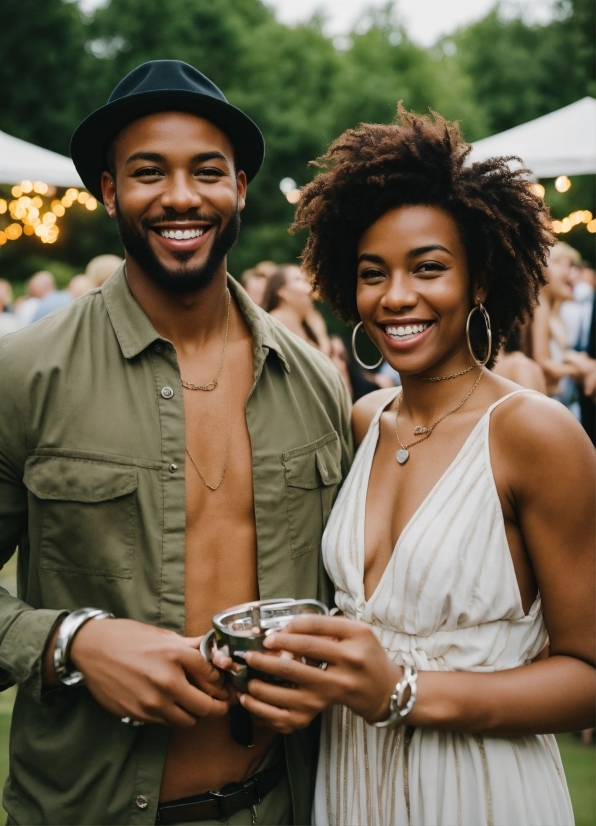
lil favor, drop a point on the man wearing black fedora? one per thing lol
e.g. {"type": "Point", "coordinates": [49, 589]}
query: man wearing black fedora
{"type": "Point", "coordinates": [167, 450]}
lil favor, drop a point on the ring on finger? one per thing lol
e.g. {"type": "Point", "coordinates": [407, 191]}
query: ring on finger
{"type": "Point", "coordinates": [323, 665]}
{"type": "Point", "coordinates": [130, 721]}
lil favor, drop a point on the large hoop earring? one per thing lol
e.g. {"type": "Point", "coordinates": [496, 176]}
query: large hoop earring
{"type": "Point", "coordinates": [361, 363]}
{"type": "Point", "coordinates": [489, 336]}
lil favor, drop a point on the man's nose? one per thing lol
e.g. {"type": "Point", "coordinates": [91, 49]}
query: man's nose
{"type": "Point", "coordinates": [182, 193]}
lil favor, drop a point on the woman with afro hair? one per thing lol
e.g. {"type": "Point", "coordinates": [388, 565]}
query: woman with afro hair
{"type": "Point", "coordinates": [461, 545]}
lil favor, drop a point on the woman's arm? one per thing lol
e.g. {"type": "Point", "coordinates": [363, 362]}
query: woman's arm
{"type": "Point", "coordinates": [544, 468]}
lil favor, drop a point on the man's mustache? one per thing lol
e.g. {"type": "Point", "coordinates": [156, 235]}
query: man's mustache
{"type": "Point", "coordinates": [171, 216]}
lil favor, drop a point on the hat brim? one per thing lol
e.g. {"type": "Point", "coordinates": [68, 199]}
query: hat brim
{"type": "Point", "coordinates": [93, 136]}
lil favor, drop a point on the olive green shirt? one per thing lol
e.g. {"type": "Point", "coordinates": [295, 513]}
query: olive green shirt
{"type": "Point", "coordinates": [92, 492]}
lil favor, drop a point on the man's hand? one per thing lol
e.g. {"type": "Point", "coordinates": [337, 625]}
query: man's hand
{"type": "Point", "coordinates": [147, 673]}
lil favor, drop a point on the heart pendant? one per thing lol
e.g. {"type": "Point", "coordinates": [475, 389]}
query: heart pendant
{"type": "Point", "coordinates": [419, 429]}
{"type": "Point", "coordinates": [402, 456]}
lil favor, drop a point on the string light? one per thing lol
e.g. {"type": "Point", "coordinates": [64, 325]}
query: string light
{"type": "Point", "coordinates": [574, 219]}
{"type": "Point", "coordinates": [26, 210]}
{"type": "Point", "coordinates": [562, 183]}
{"type": "Point", "coordinates": [539, 190]}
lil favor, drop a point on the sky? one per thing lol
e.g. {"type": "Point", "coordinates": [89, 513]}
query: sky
{"type": "Point", "coordinates": [425, 20]}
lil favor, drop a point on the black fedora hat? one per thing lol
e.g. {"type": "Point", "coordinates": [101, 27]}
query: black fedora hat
{"type": "Point", "coordinates": [162, 86]}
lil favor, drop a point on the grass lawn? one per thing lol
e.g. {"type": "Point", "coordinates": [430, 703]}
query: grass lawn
{"type": "Point", "coordinates": [579, 762]}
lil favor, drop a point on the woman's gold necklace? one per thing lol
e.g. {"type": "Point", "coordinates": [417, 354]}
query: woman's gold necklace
{"type": "Point", "coordinates": [403, 454]}
{"type": "Point", "coordinates": [444, 378]}
{"type": "Point", "coordinates": [213, 384]}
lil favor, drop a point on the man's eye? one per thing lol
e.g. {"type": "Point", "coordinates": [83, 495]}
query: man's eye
{"type": "Point", "coordinates": [210, 172]}
{"type": "Point", "coordinates": [147, 172]}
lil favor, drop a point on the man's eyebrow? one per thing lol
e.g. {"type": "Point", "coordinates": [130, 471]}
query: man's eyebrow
{"type": "Point", "coordinates": [156, 157]}
{"type": "Point", "coordinates": [372, 259]}
{"type": "Point", "coordinates": [430, 248]}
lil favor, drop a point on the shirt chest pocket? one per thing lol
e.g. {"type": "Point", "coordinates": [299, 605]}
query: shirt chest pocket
{"type": "Point", "coordinates": [312, 473]}
{"type": "Point", "coordinates": [84, 514]}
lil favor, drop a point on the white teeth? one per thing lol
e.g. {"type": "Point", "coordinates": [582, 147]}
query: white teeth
{"type": "Point", "coordinates": [406, 332]}
{"type": "Point", "coordinates": [182, 235]}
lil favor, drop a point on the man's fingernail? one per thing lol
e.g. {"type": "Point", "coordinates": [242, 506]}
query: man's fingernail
{"type": "Point", "coordinates": [269, 641]}
{"type": "Point", "coordinates": [242, 699]}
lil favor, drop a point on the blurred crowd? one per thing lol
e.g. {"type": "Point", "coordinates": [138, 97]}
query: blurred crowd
{"type": "Point", "coordinates": [554, 354]}
{"type": "Point", "coordinates": [43, 296]}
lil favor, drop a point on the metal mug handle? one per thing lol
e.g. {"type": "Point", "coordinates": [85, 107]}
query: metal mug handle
{"type": "Point", "coordinates": [205, 646]}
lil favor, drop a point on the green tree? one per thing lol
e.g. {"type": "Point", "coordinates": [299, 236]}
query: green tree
{"type": "Point", "coordinates": [519, 71]}
{"type": "Point", "coordinates": [42, 71]}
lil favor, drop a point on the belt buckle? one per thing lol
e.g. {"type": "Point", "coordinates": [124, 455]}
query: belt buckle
{"type": "Point", "coordinates": [221, 802]}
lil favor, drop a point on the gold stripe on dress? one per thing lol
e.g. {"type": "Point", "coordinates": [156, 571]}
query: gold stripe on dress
{"type": "Point", "coordinates": [457, 777]}
{"type": "Point", "coordinates": [487, 794]}
{"type": "Point", "coordinates": [397, 737]}
{"type": "Point", "coordinates": [328, 730]}
{"type": "Point", "coordinates": [407, 739]}
{"type": "Point", "coordinates": [369, 819]}
{"type": "Point", "coordinates": [345, 778]}
{"type": "Point", "coordinates": [340, 744]}
{"type": "Point", "coordinates": [355, 762]}
{"type": "Point", "coordinates": [544, 739]}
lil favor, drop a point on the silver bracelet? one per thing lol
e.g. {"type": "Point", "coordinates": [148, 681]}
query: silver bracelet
{"type": "Point", "coordinates": [396, 713]}
{"type": "Point", "coordinates": [65, 671]}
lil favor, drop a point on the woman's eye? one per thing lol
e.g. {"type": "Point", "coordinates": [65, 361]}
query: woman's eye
{"type": "Point", "coordinates": [430, 268]}
{"type": "Point", "coordinates": [372, 275]}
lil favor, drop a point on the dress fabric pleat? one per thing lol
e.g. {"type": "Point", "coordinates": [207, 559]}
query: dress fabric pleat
{"type": "Point", "coordinates": [447, 601]}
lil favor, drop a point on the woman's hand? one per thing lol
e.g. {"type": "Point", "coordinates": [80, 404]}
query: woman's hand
{"type": "Point", "coordinates": [359, 674]}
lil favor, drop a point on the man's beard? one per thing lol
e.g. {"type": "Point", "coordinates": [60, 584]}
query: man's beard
{"type": "Point", "coordinates": [183, 280]}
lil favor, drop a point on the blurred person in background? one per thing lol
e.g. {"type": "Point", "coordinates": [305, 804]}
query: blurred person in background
{"type": "Point", "coordinates": [562, 366]}
{"type": "Point", "coordinates": [254, 283]}
{"type": "Point", "coordinates": [100, 268]}
{"type": "Point", "coordinates": [288, 298]}
{"type": "Point", "coordinates": [514, 365]}
{"type": "Point", "coordinates": [39, 285]}
{"type": "Point", "coordinates": [54, 300]}
{"type": "Point", "coordinates": [8, 322]}
{"type": "Point", "coordinates": [79, 285]}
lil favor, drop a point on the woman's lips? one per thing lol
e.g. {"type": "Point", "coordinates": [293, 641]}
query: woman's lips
{"type": "Point", "coordinates": [407, 343]}
{"type": "Point", "coordinates": [182, 244]}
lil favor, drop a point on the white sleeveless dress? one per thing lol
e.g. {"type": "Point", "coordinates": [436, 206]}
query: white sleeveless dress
{"type": "Point", "coordinates": [447, 601]}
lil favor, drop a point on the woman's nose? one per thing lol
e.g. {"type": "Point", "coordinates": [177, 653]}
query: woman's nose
{"type": "Point", "coordinates": [400, 293]}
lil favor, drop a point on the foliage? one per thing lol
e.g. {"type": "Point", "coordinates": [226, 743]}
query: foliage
{"type": "Point", "coordinates": [298, 85]}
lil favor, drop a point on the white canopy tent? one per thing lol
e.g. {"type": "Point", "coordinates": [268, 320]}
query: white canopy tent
{"type": "Point", "coordinates": [20, 161]}
{"type": "Point", "coordinates": [561, 143]}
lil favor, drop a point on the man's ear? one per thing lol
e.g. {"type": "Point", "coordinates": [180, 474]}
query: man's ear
{"type": "Point", "coordinates": [241, 187]}
{"type": "Point", "coordinates": [108, 188]}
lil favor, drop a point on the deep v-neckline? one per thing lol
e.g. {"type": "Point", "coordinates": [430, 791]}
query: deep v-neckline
{"type": "Point", "coordinates": [404, 530]}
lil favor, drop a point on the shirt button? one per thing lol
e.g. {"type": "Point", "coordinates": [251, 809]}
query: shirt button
{"type": "Point", "coordinates": [142, 801]}
{"type": "Point", "coordinates": [173, 468]}
{"type": "Point", "coordinates": [167, 392]}
{"type": "Point", "coordinates": [158, 347]}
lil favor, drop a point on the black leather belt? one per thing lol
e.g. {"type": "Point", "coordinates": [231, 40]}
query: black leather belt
{"type": "Point", "coordinates": [223, 804]}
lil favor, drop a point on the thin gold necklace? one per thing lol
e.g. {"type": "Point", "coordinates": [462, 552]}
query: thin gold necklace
{"type": "Point", "coordinates": [213, 384]}
{"type": "Point", "coordinates": [225, 464]}
{"type": "Point", "coordinates": [403, 454]}
{"type": "Point", "coordinates": [444, 378]}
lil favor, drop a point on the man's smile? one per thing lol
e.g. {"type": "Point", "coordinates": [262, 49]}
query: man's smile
{"type": "Point", "coordinates": [183, 236]}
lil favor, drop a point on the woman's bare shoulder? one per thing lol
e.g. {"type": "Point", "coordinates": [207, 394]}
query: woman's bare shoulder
{"type": "Point", "coordinates": [364, 411]}
{"type": "Point", "coordinates": [539, 435]}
